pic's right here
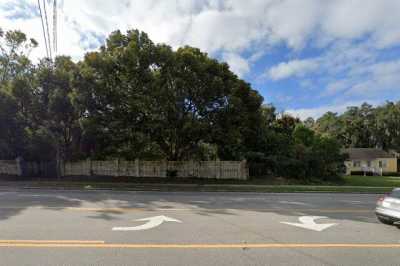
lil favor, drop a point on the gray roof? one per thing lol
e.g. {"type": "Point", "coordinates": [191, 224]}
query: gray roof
{"type": "Point", "coordinates": [366, 153]}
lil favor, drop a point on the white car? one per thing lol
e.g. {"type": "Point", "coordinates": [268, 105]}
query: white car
{"type": "Point", "coordinates": [388, 208]}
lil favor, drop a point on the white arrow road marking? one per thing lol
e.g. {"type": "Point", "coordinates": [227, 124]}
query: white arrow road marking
{"type": "Point", "coordinates": [152, 222]}
{"type": "Point", "coordinates": [307, 222]}
{"type": "Point", "coordinates": [294, 203]}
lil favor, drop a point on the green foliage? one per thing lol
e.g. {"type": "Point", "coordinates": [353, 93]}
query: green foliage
{"type": "Point", "coordinates": [291, 149]}
{"type": "Point", "coordinates": [364, 126]}
{"type": "Point", "coordinates": [154, 101]}
{"type": "Point", "coordinates": [14, 53]}
{"type": "Point", "coordinates": [11, 128]}
{"type": "Point", "coordinates": [133, 98]}
{"type": "Point", "coordinates": [38, 146]}
{"type": "Point", "coordinates": [302, 135]}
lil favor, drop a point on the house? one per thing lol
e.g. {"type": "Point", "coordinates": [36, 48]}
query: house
{"type": "Point", "coordinates": [376, 161]}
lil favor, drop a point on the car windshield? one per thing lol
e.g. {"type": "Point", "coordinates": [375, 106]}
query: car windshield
{"type": "Point", "coordinates": [395, 194]}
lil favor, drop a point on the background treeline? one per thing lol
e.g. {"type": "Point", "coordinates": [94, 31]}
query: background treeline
{"type": "Point", "coordinates": [136, 99]}
{"type": "Point", "coordinates": [364, 127]}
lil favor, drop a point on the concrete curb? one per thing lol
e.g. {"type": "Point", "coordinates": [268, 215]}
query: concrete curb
{"type": "Point", "coordinates": [202, 188]}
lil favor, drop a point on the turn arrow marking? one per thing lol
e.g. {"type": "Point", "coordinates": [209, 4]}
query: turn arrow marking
{"type": "Point", "coordinates": [152, 222]}
{"type": "Point", "coordinates": [308, 222]}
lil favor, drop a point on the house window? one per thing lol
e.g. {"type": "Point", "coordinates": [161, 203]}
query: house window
{"type": "Point", "coordinates": [356, 164]}
{"type": "Point", "coordinates": [382, 164]}
{"type": "Point", "coordinates": [369, 163]}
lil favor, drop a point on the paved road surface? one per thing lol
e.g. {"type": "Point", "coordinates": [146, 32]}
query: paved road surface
{"type": "Point", "coordinates": [41, 227]}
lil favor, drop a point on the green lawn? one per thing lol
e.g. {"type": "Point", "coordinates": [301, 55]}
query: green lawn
{"type": "Point", "coordinates": [197, 187]}
{"type": "Point", "coordinates": [372, 181]}
{"type": "Point", "coordinates": [371, 184]}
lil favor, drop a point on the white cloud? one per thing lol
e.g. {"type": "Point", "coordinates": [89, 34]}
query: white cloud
{"type": "Point", "coordinates": [377, 79]}
{"type": "Point", "coordinates": [336, 86]}
{"type": "Point", "coordinates": [346, 71]}
{"type": "Point", "coordinates": [292, 68]}
{"type": "Point", "coordinates": [227, 26]}
{"type": "Point", "coordinates": [316, 112]}
{"type": "Point", "coordinates": [362, 75]}
{"type": "Point", "coordinates": [304, 113]}
{"type": "Point", "coordinates": [355, 18]}
{"type": "Point", "coordinates": [238, 64]}
{"type": "Point", "coordinates": [292, 21]}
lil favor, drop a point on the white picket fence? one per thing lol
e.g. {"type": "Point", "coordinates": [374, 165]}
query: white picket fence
{"type": "Point", "coordinates": [137, 168]}
{"type": "Point", "coordinates": [9, 168]}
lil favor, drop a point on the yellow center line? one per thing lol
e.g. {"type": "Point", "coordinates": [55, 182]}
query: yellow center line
{"type": "Point", "coordinates": [5, 242]}
{"type": "Point", "coordinates": [194, 246]}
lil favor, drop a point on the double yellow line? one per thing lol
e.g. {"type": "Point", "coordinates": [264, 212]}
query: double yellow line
{"type": "Point", "coordinates": [103, 245]}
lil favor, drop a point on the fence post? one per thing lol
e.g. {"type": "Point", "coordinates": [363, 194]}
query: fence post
{"type": "Point", "coordinates": [117, 163]}
{"type": "Point", "coordinates": [89, 167]}
{"type": "Point", "coordinates": [58, 168]}
{"type": "Point", "coordinates": [243, 170]}
{"type": "Point", "coordinates": [218, 169]}
{"type": "Point", "coordinates": [62, 168]}
{"type": "Point", "coordinates": [164, 168]}
{"type": "Point", "coordinates": [197, 166]}
{"type": "Point", "coordinates": [19, 166]}
{"type": "Point", "coordinates": [190, 169]}
{"type": "Point", "coordinates": [221, 165]}
{"type": "Point", "coordinates": [137, 167]}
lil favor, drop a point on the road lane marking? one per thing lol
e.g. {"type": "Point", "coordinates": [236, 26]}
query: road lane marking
{"type": "Point", "coordinates": [151, 223]}
{"type": "Point", "coordinates": [218, 209]}
{"type": "Point", "coordinates": [123, 210]}
{"type": "Point", "coordinates": [294, 203]}
{"type": "Point", "coordinates": [308, 222]}
{"type": "Point", "coordinates": [127, 209]}
{"type": "Point", "coordinates": [197, 246]}
{"type": "Point", "coordinates": [51, 242]}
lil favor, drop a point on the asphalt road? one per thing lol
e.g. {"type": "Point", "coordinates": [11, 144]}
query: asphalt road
{"type": "Point", "coordinates": [40, 227]}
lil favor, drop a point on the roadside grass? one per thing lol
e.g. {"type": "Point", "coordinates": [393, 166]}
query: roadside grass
{"type": "Point", "coordinates": [372, 181]}
{"type": "Point", "coordinates": [81, 185]}
{"type": "Point", "coordinates": [357, 184]}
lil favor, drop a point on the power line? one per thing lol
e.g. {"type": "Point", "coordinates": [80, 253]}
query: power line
{"type": "Point", "coordinates": [47, 26]}
{"type": "Point", "coordinates": [55, 26]}
{"type": "Point", "coordinates": [44, 32]}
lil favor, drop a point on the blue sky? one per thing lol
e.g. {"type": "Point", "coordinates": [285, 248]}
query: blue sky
{"type": "Point", "coordinates": [306, 57]}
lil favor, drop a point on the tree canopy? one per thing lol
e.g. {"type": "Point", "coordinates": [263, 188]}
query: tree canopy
{"type": "Point", "coordinates": [364, 126]}
{"type": "Point", "coordinates": [133, 98]}
{"type": "Point", "coordinates": [130, 99]}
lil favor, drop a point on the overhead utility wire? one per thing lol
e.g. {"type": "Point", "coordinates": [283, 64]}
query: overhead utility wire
{"type": "Point", "coordinates": [47, 26]}
{"type": "Point", "coordinates": [44, 31]}
{"type": "Point", "coordinates": [55, 26]}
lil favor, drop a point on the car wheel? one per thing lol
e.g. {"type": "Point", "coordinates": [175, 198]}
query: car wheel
{"type": "Point", "coordinates": [385, 220]}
